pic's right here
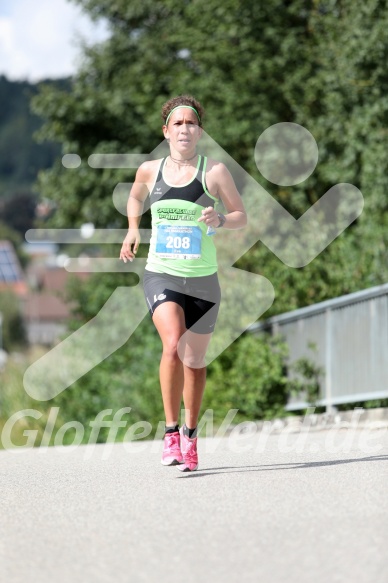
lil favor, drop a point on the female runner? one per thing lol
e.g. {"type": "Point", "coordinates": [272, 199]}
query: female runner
{"type": "Point", "coordinates": [180, 281]}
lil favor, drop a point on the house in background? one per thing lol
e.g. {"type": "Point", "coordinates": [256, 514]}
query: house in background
{"type": "Point", "coordinates": [13, 282]}
{"type": "Point", "coordinates": [40, 289]}
{"type": "Point", "coordinates": [45, 314]}
{"type": "Point", "coordinates": [11, 274]}
{"type": "Point", "coordinates": [46, 309]}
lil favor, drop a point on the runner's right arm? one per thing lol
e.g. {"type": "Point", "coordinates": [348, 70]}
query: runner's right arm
{"type": "Point", "coordinates": [137, 196]}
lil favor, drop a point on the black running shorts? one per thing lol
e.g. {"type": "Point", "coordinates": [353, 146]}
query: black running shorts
{"type": "Point", "coordinates": [199, 297]}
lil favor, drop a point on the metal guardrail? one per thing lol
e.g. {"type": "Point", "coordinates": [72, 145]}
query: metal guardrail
{"type": "Point", "coordinates": [351, 338]}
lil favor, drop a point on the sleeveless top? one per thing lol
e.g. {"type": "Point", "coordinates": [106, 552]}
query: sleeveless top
{"type": "Point", "coordinates": [179, 244]}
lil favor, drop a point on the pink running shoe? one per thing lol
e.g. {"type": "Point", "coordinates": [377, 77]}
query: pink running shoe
{"type": "Point", "coordinates": [189, 452]}
{"type": "Point", "coordinates": [172, 454]}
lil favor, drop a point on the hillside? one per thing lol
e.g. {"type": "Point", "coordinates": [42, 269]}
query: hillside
{"type": "Point", "coordinates": [21, 157]}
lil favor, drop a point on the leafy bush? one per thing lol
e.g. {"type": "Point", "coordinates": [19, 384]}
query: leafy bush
{"type": "Point", "coordinates": [249, 376]}
{"type": "Point", "coordinates": [128, 378]}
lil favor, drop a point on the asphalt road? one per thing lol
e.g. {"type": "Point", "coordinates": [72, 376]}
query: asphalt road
{"type": "Point", "coordinates": [288, 508]}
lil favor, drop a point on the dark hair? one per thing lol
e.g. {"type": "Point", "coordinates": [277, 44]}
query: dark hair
{"type": "Point", "coordinates": [182, 100]}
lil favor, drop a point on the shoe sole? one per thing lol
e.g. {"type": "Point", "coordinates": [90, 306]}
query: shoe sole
{"type": "Point", "coordinates": [173, 463]}
{"type": "Point", "coordinates": [187, 469]}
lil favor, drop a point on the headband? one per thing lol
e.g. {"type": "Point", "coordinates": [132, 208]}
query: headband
{"type": "Point", "coordinates": [178, 107]}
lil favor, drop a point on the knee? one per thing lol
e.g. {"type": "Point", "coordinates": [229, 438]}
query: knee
{"type": "Point", "coordinates": [170, 349]}
{"type": "Point", "coordinates": [193, 360]}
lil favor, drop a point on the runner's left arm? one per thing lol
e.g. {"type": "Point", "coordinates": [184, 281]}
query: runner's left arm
{"type": "Point", "coordinates": [221, 181]}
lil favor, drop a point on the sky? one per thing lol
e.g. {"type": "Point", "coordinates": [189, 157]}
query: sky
{"type": "Point", "coordinates": [38, 38]}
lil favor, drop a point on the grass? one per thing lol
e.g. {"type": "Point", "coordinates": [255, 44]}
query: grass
{"type": "Point", "coordinates": [13, 398]}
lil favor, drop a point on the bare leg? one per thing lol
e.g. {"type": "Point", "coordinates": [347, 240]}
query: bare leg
{"type": "Point", "coordinates": [182, 366]}
{"type": "Point", "coordinates": [192, 349]}
{"type": "Point", "coordinates": [170, 323]}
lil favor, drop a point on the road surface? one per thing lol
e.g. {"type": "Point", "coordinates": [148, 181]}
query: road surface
{"type": "Point", "coordinates": [272, 508]}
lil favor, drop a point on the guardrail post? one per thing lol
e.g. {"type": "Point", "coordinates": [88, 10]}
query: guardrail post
{"type": "Point", "coordinates": [329, 363]}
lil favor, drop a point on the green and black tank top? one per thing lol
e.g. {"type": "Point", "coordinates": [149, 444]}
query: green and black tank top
{"type": "Point", "coordinates": [179, 243]}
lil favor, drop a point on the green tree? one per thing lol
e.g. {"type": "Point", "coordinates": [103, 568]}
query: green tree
{"type": "Point", "coordinates": [20, 156]}
{"type": "Point", "coordinates": [13, 332]}
{"type": "Point", "coordinates": [9, 234]}
{"type": "Point", "coordinates": [320, 64]}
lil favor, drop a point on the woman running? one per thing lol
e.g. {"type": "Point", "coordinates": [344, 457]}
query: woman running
{"type": "Point", "coordinates": [180, 281]}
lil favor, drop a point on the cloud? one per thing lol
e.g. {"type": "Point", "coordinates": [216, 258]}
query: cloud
{"type": "Point", "coordinates": [40, 39]}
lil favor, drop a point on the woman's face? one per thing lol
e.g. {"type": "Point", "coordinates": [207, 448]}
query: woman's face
{"type": "Point", "coordinates": [183, 130]}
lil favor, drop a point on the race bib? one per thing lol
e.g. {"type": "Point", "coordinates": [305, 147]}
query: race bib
{"type": "Point", "coordinates": [178, 242]}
